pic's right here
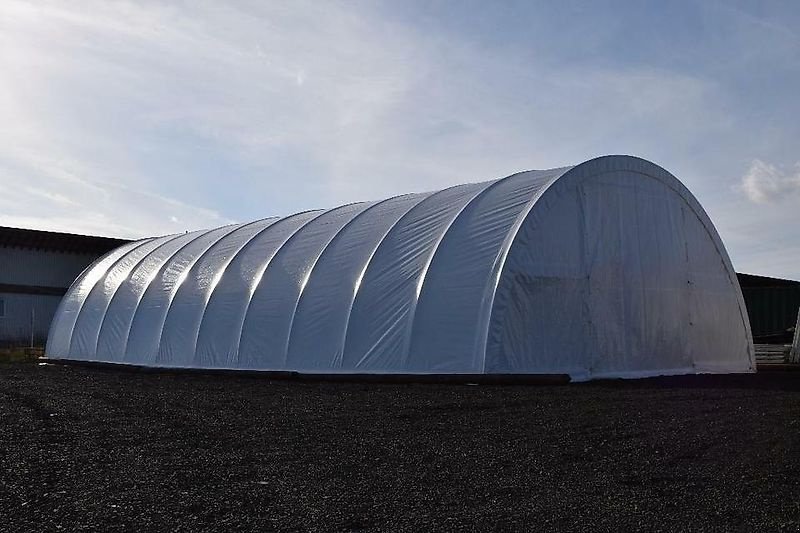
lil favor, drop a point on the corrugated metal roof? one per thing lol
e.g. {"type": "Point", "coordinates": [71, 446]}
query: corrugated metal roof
{"type": "Point", "coordinates": [772, 305]}
{"type": "Point", "coordinates": [61, 242]}
{"type": "Point", "coordinates": [753, 280]}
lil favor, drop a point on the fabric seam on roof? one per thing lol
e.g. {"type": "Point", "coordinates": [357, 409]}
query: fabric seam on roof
{"type": "Point", "coordinates": [316, 260]}
{"type": "Point", "coordinates": [267, 263]}
{"type": "Point", "coordinates": [233, 257]}
{"type": "Point", "coordinates": [159, 273]}
{"type": "Point", "coordinates": [116, 289]}
{"type": "Point", "coordinates": [89, 292]}
{"type": "Point", "coordinates": [78, 280]}
{"type": "Point", "coordinates": [188, 269]}
{"type": "Point", "coordinates": [423, 274]}
{"type": "Point", "coordinates": [221, 273]}
{"type": "Point", "coordinates": [357, 288]}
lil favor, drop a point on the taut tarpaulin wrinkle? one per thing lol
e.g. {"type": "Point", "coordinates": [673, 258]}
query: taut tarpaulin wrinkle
{"type": "Point", "coordinates": [610, 268]}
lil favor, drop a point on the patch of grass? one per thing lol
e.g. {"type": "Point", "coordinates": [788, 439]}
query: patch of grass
{"type": "Point", "coordinates": [20, 355]}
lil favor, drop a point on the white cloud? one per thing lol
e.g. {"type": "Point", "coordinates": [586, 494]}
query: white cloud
{"type": "Point", "coordinates": [150, 97]}
{"type": "Point", "coordinates": [366, 107]}
{"type": "Point", "coordinates": [136, 118]}
{"type": "Point", "coordinates": [765, 183]}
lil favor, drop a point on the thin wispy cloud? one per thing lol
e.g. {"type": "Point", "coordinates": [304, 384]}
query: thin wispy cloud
{"type": "Point", "coordinates": [764, 183]}
{"type": "Point", "coordinates": [137, 118]}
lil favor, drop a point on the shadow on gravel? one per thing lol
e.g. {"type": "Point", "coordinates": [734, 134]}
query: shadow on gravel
{"type": "Point", "coordinates": [765, 380]}
{"type": "Point", "coordinates": [784, 378]}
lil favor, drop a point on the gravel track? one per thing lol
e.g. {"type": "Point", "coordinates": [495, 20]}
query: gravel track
{"type": "Point", "coordinates": [87, 449]}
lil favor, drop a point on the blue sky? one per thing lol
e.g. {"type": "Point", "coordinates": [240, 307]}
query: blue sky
{"type": "Point", "coordinates": [141, 118]}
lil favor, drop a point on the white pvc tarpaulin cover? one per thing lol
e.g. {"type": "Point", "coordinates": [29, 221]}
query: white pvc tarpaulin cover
{"type": "Point", "coordinates": [607, 269]}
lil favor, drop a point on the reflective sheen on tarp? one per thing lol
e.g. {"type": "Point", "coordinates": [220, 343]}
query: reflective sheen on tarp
{"type": "Point", "coordinates": [607, 269]}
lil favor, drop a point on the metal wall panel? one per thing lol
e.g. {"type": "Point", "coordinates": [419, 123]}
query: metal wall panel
{"type": "Point", "coordinates": [26, 314]}
{"type": "Point", "coordinates": [22, 266]}
{"type": "Point", "coordinates": [46, 273]}
{"type": "Point", "coordinates": [772, 310]}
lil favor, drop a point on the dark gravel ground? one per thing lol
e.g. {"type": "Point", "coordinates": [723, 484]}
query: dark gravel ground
{"type": "Point", "coordinates": [98, 449]}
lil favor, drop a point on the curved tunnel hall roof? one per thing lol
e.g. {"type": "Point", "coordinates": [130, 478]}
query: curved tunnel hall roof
{"type": "Point", "coordinates": [403, 285]}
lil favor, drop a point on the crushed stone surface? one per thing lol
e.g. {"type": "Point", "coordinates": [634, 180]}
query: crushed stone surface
{"type": "Point", "coordinates": [91, 449]}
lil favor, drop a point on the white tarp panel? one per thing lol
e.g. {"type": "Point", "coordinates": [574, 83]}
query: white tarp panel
{"type": "Point", "coordinates": [712, 301]}
{"type": "Point", "coordinates": [151, 312]}
{"type": "Point", "coordinates": [93, 311]}
{"type": "Point", "coordinates": [63, 324]}
{"type": "Point", "coordinates": [265, 332]}
{"type": "Point", "coordinates": [221, 329]}
{"type": "Point", "coordinates": [119, 315]}
{"type": "Point", "coordinates": [320, 321]}
{"type": "Point", "coordinates": [607, 269]}
{"type": "Point", "coordinates": [451, 297]}
{"type": "Point", "coordinates": [381, 309]}
{"type": "Point", "coordinates": [599, 283]}
{"type": "Point", "coordinates": [179, 337]}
